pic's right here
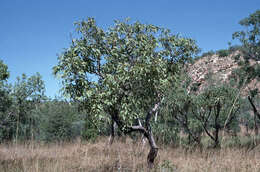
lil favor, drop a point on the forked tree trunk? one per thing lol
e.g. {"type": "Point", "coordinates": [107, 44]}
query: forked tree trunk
{"type": "Point", "coordinates": [153, 147]}
{"type": "Point", "coordinates": [145, 130]}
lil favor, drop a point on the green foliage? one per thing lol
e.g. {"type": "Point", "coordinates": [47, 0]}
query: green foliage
{"type": "Point", "coordinates": [166, 165]}
{"type": "Point", "coordinates": [121, 73]}
{"type": "Point", "coordinates": [5, 100]}
{"type": "Point", "coordinates": [216, 109]}
{"type": "Point", "coordinates": [245, 118]}
{"type": "Point", "coordinates": [235, 48]}
{"type": "Point", "coordinates": [5, 114]}
{"type": "Point", "coordinates": [94, 128]}
{"type": "Point", "coordinates": [20, 100]}
{"type": "Point", "coordinates": [213, 109]}
{"type": "Point", "coordinates": [250, 37]}
{"type": "Point", "coordinates": [58, 120]}
{"type": "Point", "coordinates": [4, 73]}
{"type": "Point", "coordinates": [245, 73]}
{"type": "Point", "coordinates": [209, 53]}
{"type": "Point", "coordinates": [223, 53]}
{"type": "Point", "coordinates": [166, 131]}
{"type": "Point", "coordinates": [178, 107]}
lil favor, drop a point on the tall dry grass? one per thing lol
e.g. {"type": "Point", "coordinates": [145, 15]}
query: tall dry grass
{"type": "Point", "coordinates": [121, 156]}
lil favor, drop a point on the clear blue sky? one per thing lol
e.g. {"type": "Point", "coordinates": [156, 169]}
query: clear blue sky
{"type": "Point", "coordinates": [33, 32]}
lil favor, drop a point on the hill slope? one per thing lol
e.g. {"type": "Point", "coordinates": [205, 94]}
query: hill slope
{"type": "Point", "coordinates": [214, 68]}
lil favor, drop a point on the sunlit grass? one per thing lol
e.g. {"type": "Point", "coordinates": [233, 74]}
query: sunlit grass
{"type": "Point", "coordinates": [123, 155]}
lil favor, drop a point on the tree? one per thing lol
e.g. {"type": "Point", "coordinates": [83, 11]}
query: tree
{"type": "Point", "coordinates": [5, 99]}
{"type": "Point", "coordinates": [217, 108]}
{"type": "Point", "coordinates": [26, 94]}
{"type": "Point", "coordinates": [179, 104]}
{"type": "Point", "coordinates": [57, 120]}
{"type": "Point", "coordinates": [212, 109]}
{"type": "Point", "coordinates": [250, 38]}
{"type": "Point", "coordinates": [4, 73]}
{"type": "Point", "coordinates": [251, 97]}
{"type": "Point", "coordinates": [122, 74]}
{"type": "Point", "coordinates": [4, 88]}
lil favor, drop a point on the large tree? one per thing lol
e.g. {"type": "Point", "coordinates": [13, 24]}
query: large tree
{"type": "Point", "coordinates": [250, 39]}
{"type": "Point", "coordinates": [121, 75]}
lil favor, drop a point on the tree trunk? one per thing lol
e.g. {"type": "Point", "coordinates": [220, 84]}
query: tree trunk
{"type": "Point", "coordinates": [256, 127]}
{"type": "Point", "coordinates": [153, 151]}
{"type": "Point", "coordinates": [112, 136]}
{"type": "Point", "coordinates": [256, 114]}
{"type": "Point", "coordinates": [145, 130]}
{"type": "Point", "coordinates": [216, 144]}
{"type": "Point", "coordinates": [217, 126]}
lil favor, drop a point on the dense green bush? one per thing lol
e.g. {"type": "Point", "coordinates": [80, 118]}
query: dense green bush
{"type": "Point", "coordinates": [223, 53]}
{"type": "Point", "coordinates": [58, 120]}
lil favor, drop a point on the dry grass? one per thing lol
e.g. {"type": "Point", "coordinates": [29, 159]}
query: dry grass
{"type": "Point", "coordinates": [122, 156]}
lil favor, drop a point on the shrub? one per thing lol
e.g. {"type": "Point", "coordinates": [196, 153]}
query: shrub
{"type": "Point", "coordinates": [209, 53]}
{"type": "Point", "coordinates": [223, 53]}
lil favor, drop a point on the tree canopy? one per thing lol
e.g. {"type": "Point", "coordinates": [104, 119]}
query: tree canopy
{"type": "Point", "coordinates": [4, 74]}
{"type": "Point", "coordinates": [122, 74]}
{"type": "Point", "coordinates": [250, 37]}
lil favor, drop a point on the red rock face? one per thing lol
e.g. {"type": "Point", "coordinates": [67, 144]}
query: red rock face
{"type": "Point", "coordinates": [217, 69]}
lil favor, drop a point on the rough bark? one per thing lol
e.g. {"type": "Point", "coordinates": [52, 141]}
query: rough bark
{"type": "Point", "coordinates": [112, 136]}
{"type": "Point", "coordinates": [217, 125]}
{"type": "Point", "coordinates": [153, 147]}
{"type": "Point", "coordinates": [256, 114]}
{"type": "Point", "coordinates": [146, 130]}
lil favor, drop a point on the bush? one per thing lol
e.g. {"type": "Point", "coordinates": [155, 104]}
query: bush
{"type": "Point", "coordinates": [223, 53]}
{"type": "Point", "coordinates": [166, 132]}
{"type": "Point", "coordinates": [58, 120]}
{"type": "Point", "coordinates": [209, 53]}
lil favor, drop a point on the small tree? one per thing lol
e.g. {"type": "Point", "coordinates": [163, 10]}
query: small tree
{"type": "Point", "coordinates": [58, 120]}
{"type": "Point", "coordinates": [179, 104]}
{"type": "Point", "coordinates": [4, 88]}
{"type": "Point", "coordinates": [27, 94]}
{"type": "Point", "coordinates": [5, 101]}
{"type": "Point", "coordinates": [217, 108]}
{"type": "Point", "coordinates": [122, 74]}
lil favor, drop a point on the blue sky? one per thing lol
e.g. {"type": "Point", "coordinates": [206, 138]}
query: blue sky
{"type": "Point", "coordinates": [33, 32]}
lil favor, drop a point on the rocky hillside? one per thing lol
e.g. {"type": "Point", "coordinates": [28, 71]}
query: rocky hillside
{"type": "Point", "coordinates": [214, 68]}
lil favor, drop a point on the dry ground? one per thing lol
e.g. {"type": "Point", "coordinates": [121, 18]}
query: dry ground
{"type": "Point", "coordinates": [122, 156]}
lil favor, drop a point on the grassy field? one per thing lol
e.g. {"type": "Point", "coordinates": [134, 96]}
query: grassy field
{"type": "Point", "coordinates": [121, 156]}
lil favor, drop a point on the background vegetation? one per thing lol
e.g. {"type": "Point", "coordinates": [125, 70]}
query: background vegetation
{"type": "Point", "coordinates": [140, 88]}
